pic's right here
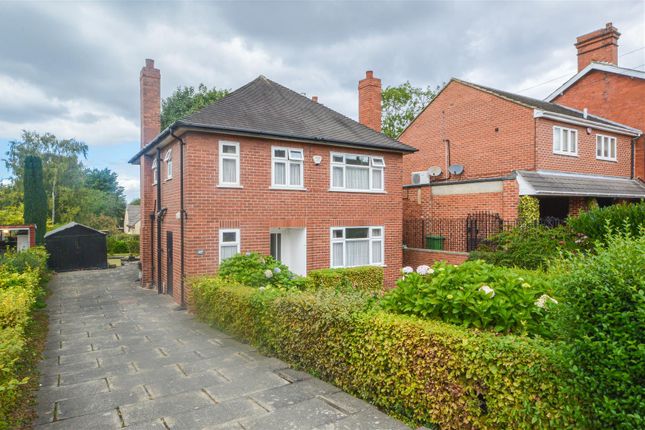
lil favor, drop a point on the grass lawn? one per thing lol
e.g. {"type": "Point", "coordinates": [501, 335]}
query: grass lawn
{"type": "Point", "coordinates": [114, 261]}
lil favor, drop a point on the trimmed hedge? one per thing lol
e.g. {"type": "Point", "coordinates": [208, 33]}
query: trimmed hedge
{"type": "Point", "coordinates": [21, 277]}
{"type": "Point", "coordinates": [424, 372]}
{"type": "Point", "coordinates": [596, 223]}
{"type": "Point", "coordinates": [364, 278]}
{"type": "Point", "coordinates": [123, 244]}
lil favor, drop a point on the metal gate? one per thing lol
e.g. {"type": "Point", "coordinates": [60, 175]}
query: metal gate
{"type": "Point", "coordinates": [480, 226]}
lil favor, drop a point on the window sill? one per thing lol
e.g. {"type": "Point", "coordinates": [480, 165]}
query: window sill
{"type": "Point", "coordinates": [566, 154]}
{"type": "Point", "coordinates": [229, 186]}
{"type": "Point", "coordinates": [335, 190]}
{"type": "Point", "coordinates": [611, 160]}
{"type": "Point", "coordinates": [288, 188]}
{"type": "Point", "coordinates": [168, 179]}
{"type": "Point", "coordinates": [364, 265]}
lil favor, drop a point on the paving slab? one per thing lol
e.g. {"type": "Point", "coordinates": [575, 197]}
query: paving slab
{"type": "Point", "coordinates": [119, 356]}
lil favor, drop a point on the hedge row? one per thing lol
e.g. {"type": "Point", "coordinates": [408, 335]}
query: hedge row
{"type": "Point", "coordinates": [425, 372]}
{"type": "Point", "coordinates": [364, 278]}
{"type": "Point", "coordinates": [123, 244]}
{"type": "Point", "coordinates": [21, 277]}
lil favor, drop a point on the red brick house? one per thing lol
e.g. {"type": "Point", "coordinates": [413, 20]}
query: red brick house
{"type": "Point", "coordinates": [266, 169]}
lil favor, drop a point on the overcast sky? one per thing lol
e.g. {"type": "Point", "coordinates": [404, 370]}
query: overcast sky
{"type": "Point", "coordinates": [72, 68]}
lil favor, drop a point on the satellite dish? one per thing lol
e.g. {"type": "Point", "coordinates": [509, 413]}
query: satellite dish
{"type": "Point", "coordinates": [456, 169]}
{"type": "Point", "coordinates": [434, 171]}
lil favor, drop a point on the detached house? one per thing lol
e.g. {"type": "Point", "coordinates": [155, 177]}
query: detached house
{"type": "Point", "coordinates": [269, 170]}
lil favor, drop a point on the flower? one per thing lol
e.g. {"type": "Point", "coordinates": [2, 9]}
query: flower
{"type": "Point", "coordinates": [268, 273]}
{"type": "Point", "coordinates": [424, 270]}
{"type": "Point", "coordinates": [450, 297]}
{"type": "Point", "coordinates": [526, 285]}
{"type": "Point", "coordinates": [277, 270]}
{"type": "Point", "coordinates": [407, 269]}
{"type": "Point", "coordinates": [543, 300]}
{"type": "Point", "coordinates": [261, 288]}
{"type": "Point", "coordinates": [248, 253]}
{"type": "Point", "coordinates": [487, 290]}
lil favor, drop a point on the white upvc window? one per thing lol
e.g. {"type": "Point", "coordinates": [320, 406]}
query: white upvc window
{"type": "Point", "coordinates": [605, 147]}
{"type": "Point", "coordinates": [351, 172]}
{"type": "Point", "coordinates": [168, 159]}
{"type": "Point", "coordinates": [357, 246]}
{"type": "Point", "coordinates": [154, 171]}
{"type": "Point", "coordinates": [287, 167]}
{"type": "Point", "coordinates": [229, 164]}
{"type": "Point", "coordinates": [229, 243]}
{"type": "Point", "coordinates": [565, 141]}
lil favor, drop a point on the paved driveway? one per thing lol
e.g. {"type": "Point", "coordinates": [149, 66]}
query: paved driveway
{"type": "Point", "coordinates": [119, 356]}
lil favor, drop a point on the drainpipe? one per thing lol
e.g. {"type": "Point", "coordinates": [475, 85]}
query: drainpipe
{"type": "Point", "coordinates": [158, 173]}
{"type": "Point", "coordinates": [152, 248]}
{"type": "Point", "coordinates": [633, 155]}
{"type": "Point", "coordinates": [447, 142]}
{"type": "Point", "coordinates": [182, 212]}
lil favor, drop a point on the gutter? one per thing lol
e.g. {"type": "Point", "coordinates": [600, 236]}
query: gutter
{"type": "Point", "coordinates": [158, 215]}
{"type": "Point", "coordinates": [465, 181]}
{"type": "Point", "coordinates": [182, 214]}
{"type": "Point", "coordinates": [537, 113]}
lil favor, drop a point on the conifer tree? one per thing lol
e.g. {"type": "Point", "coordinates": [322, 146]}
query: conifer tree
{"type": "Point", "coordinates": [35, 196]}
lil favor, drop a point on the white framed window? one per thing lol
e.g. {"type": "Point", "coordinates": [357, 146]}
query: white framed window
{"type": "Point", "coordinates": [168, 159]}
{"type": "Point", "coordinates": [605, 147]}
{"type": "Point", "coordinates": [229, 164]}
{"type": "Point", "coordinates": [287, 167]}
{"type": "Point", "coordinates": [229, 243]}
{"type": "Point", "coordinates": [565, 141]}
{"type": "Point", "coordinates": [154, 171]}
{"type": "Point", "coordinates": [356, 246]}
{"type": "Point", "coordinates": [351, 172]}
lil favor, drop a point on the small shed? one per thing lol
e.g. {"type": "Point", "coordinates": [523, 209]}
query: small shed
{"type": "Point", "coordinates": [17, 237]}
{"type": "Point", "coordinates": [75, 246]}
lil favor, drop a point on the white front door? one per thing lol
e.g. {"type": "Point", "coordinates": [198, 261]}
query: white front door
{"type": "Point", "coordinates": [22, 242]}
{"type": "Point", "coordinates": [289, 245]}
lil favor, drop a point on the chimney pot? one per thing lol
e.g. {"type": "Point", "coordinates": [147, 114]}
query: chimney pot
{"type": "Point", "coordinates": [369, 74]}
{"type": "Point", "coordinates": [599, 45]}
{"type": "Point", "coordinates": [150, 64]}
{"type": "Point", "coordinates": [314, 99]}
{"type": "Point", "coordinates": [369, 101]}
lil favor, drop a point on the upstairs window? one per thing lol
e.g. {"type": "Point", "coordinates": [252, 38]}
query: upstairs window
{"type": "Point", "coordinates": [154, 171]}
{"type": "Point", "coordinates": [356, 172]}
{"type": "Point", "coordinates": [229, 164]}
{"type": "Point", "coordinates": [565, 141]}
{"type": "Point", "coordinates": [168, 159]}
{"type": "Point", "coordinates": [356, 246]}
{"type": "Point", "coordinates": [287, 168]}
{"type": "Point", "coordinates": [229, 243]}
{"type": "Point", "coordinates": [605, 147]}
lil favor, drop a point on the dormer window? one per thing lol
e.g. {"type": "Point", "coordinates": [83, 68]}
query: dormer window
{"type": "Point", "coordinates": [154, 171]}
{"type": "Point", "coordinates": [168, 159]}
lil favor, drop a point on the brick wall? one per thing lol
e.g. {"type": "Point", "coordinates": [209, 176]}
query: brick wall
{"type": "Point", "coordinates": [369, 101]}
{"type": "Point", "coordinates": [619, 98]}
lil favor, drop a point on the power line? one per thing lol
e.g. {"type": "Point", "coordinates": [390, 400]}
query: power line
{"type": "Point", "coordinates": [632, 51]}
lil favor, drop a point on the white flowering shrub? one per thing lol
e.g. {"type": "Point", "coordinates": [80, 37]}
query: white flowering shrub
{"type": "Point", "coordinates": [257, 270]}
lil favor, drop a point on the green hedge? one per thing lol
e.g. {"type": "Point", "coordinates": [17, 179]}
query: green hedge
{"type": "Point", "coordinates": [364, 278]}
{"type": "Point", "coordinates": [123, 244]}
{"type": "Point", "coordinates": [618, 218]}
{"type": "Point", "coordinates": [424, 372]}
{"type": "Point", "coordinates": [21, 277]}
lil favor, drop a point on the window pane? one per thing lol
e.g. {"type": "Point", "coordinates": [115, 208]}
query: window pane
{"type": "Point", "coordinates": [294, 174]}
{"type": "Point", "coordinates": [612, 147]}
{"type": "Point", "coordinates": [229, 171]}
{"type": "Point", "coordinates": [378, 162]}
{"type": "Point", "coordinates": [572, 142]}
{"type": "Point", "coordinates": [357, 233]}
{"type": "Point", "coordinates": [295, 155]}
{"type": "Point", "coordinates": [227, 251]}
{"type": "Point", "coordinates": [377, 179]}
{"type": "Point", "coordinates": [377, 256]}
{"type": "Point", "coordinates": [337, 234]}
{"type": "Point", "coordinates": [229, 149]}
{"type": "Point", "coordinates": [565, 141]}
{"type": "Point", "coordinates": [337, 158]}
{"type": "Point", "coordinates": [337, 180]}
{"type": "Point", "coordinates": [280, 173]}
{"type": "Point", "coordinates": [337, 255]}
{"type": "Point", "coordinates": [358, 253]}
{"type": "Point", "coordinates": [598, 146]}
{"type": "Point", "coordinates": [606, 148]}
{"type": "Point", "coordinates": [556, 140]}
{"type": "Point", "coordinates": [279, 153]}
{"type": "Point", "coordinates": [229, 236]}
{"type": "Point", "coordinates": [357, 178]}
{"type": "Point", "coordinates": [357, 160]}
{"type": "Point", "coordinates": [169, 169]}
{"type": "Point", "coordinates": [376, 232]}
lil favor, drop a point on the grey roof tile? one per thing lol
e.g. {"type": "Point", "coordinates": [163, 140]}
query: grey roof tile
{"type": "Point", "coordinates": [545, 183]}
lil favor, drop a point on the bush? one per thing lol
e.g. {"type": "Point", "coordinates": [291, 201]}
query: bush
{"type": "Point", "coordinates": [365, 278]}
{"type": "Point", "coordinates": [425, 372]}
{"type": "Point", "coordinates": [603, 324]}
{"type": "Point", "coordinates": [476, 294]}
{"type": "Point", "coordinates": [529, 246]}
{"type": "Point", "coordinates": [123, 244]}
{"type": "Point", "coordinates": [257, 270]}
{"type": "Point", "coordinates": [595, 223]}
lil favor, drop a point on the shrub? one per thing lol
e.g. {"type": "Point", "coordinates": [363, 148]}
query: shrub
{"type": "Point", "coordinates": [529, 210]}
{"type": "Point", "coordinates": [595, 223]}
{"type": "Point", "coordinates": [530, 246]}
{"type": "Point", "coordinates": [257, 270]}
{"type": "Point", "coordinates": [476, 294]}
{"type": "Point", "coordinates": [123, 244]}
{"type": "Point", "coordinates": [365, 278]}
{"type": "Point", "coordinates": [603, 324]}
{"type": "Point", "coordinates": [422, 371]}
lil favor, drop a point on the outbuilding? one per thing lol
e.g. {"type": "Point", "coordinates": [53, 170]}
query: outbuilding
{"type": "Point", "coordinates": [75, 246]}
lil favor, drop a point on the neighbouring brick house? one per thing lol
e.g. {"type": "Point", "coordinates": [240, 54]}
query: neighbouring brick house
{"type": "Point", "coordinates": [266, 169]}
{"type": "Point", "coordinates": [503, 146]}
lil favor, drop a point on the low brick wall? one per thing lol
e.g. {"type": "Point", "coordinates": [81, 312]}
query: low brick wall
{"type": "Point", "coordinates": [417, 256]}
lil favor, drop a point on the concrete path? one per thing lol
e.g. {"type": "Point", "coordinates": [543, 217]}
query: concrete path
{"type": "Point", "coordinates": [119, 356]}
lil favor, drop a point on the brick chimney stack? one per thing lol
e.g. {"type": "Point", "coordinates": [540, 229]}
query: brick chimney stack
{"type": "Point", "coordinates": [369, 101]}
{"type": "Point", "coordinates": [599, 45]}
{"type": "Point", "coordinates": [150, 83]}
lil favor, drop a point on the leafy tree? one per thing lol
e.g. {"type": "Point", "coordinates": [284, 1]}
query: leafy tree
{"type": "Point", "coordinates": [11, 207]}
{"type": "Point", "coordinates": [136, 201]}
{"type": "Point", "coordinates": [105, 187]}
{"type": "Point", "coordinates": [402, 104]}
{"type": "Point", "coordinates": [187, 100]}
{"type": "Point", "coordinates": [35, 196]}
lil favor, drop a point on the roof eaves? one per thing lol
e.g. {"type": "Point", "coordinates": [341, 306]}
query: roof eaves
{"type": "Point", "coordinates": [587, 122]}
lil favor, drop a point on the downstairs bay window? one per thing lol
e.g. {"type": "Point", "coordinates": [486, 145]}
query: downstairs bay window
{"type": "Point", "coordinates": [356, 246]}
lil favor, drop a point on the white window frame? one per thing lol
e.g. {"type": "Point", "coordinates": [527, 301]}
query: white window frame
{"type": "Point", "coordinates": [168, 159]}
{"type": "Point", "coordinates": [237, 242]}
{"type": "Point", "coordinates": [154, 171]}
{"type": "Point", "coordinates": [375, 162]}
{"type": "Point", "coordinates": [370, 238]}
{"type": "Point", "coordinates": [235, 157]}
{"type": "Point", "coordinates": [561, 132]}
{"type": "Point", "coordinates": [610, 141]}
{"type": "Point", "coordinates": [287, 161]}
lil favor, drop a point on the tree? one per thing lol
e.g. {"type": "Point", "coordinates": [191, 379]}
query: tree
{"type": "Point", "coordinates": [402, 104]}
{"type": "Point", "coordinates": [187, 100]}
{"type": "Point", "coordinates": [35, 196]}
{"type": "Point", "coordinates": [136, 201]}
{"type": "Point", "coordinates": [11, 207]}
